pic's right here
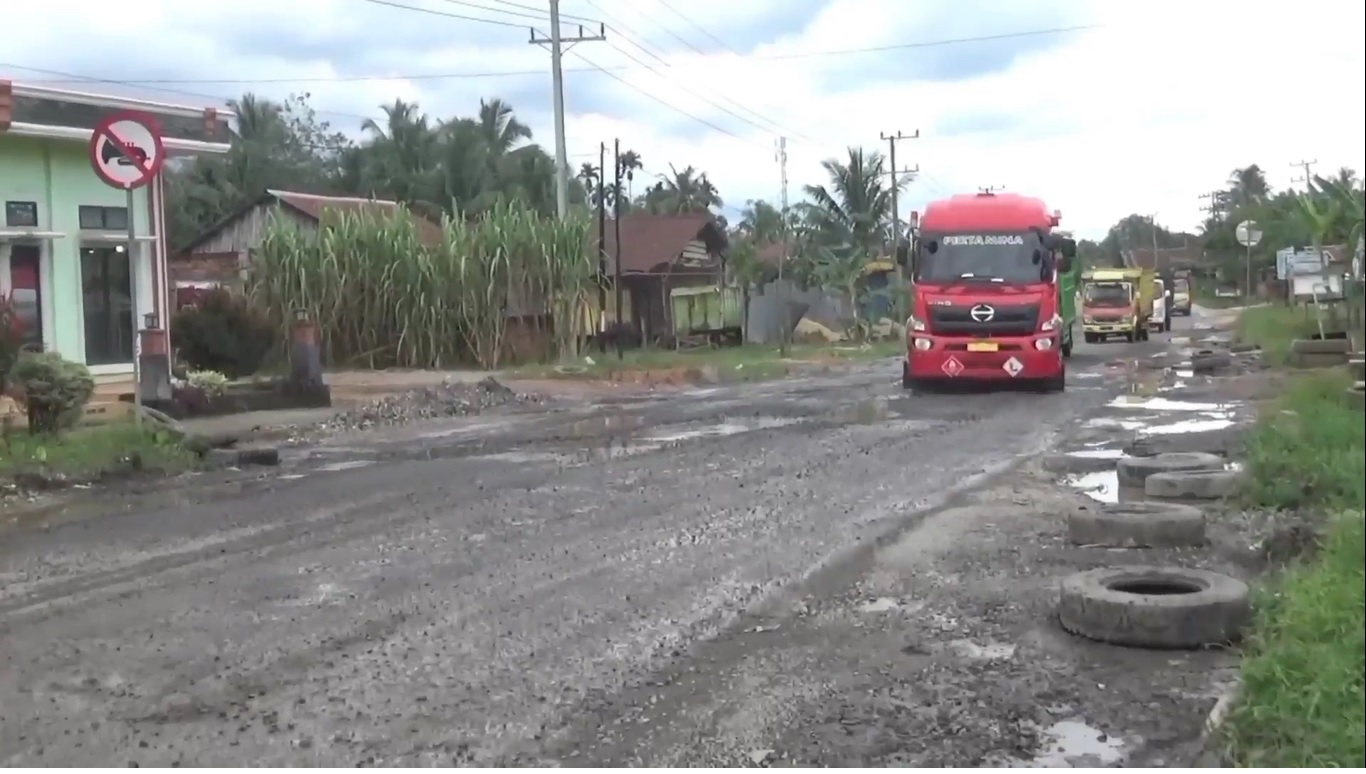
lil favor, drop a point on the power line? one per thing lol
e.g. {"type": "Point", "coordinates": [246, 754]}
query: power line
{"type": "Point", "coordinates": [627, 33]}
{"type": "Point", "coordinates": [448, 14]}
{"type": "Point", "coordinates": [688, 20]}
{"type": "Point", "coordinates": [525, 73]}
{"type": "Point", "coordinates": [535, 13]}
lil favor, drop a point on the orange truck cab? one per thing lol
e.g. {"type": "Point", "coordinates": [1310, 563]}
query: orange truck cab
{"type": "Point", "coordinates": [993, 295]}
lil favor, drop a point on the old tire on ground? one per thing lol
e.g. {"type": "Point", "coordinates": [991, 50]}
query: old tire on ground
{"type": "Point", "coordinates": [1133, 471]}
{"type": "Point", "coordinates": [1193, 484]}
{"type": "Point", "coordinates": [1316, 359]}
{"type": "Point", "coordinates": [1137, 525]}
{"type": "Point", "coordinates": [1207, 361]}
{"type": "Point", "coordinates": [1154, 607]}
{"type": "Point", "coordinates": [1356, 396]}
{"type": "Point", "coordinates": [1340, 346]}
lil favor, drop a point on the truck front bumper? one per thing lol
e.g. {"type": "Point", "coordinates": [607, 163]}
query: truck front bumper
{"type": "Point", "coordinates": [1010, 358]}
{"type": "Point", "coordinates": [1107, 328]}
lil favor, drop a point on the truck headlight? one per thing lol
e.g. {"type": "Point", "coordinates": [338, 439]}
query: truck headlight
{"type": "Point", "coordinates": [914, 324]}
{"type": "Point", "coordinates": [1088, 320]}
{"type": "Point", "coordinates": [1052, 324]}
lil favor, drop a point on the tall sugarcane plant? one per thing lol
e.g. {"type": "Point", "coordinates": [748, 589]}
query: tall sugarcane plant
{"type": "Point", "coordinates": [384, 296]}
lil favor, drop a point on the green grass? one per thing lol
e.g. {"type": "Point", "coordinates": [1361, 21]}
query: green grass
{"type": "Point", "coordinates": [1273, 327]}
{"type": "Point", "coordinates": [87, 453]}
{"type": "Point", "coordinates": [1303, 701]}
{"type": "Point", "coordinates": [747, 362]}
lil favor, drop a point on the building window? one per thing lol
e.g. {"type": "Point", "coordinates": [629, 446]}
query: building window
{"type": "Point", "coordinates": [26, 294]}
{"type": "Point", "coordinates": [104, 218]}
{"type": "Point", "coordinates": [107, 300]}
{"type": "Point", "coordinates": [21, 214]}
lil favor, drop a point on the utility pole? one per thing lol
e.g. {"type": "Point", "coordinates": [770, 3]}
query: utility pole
{"type": "Point", "coordinates": [616, 226]}
{"type": "Point", "coordinates": [602, 249]}
{"type": "Point", "coordinates": [557, 43]}
{"type": "Point", "coordinates": [1308, 178]}
{"type": "Point", "coordinates": [784, 314]}
{"type": "Point", "coordinates": [892, 140]}
{"type": "Point", "coordinates": [1215, 208]}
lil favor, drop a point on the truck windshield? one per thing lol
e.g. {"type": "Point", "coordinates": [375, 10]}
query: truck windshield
{"type": "Point", "coordinates": [1108, 294]}
{"type": "Point", "coordinates": [1012, 258]}
{"type": "Point", "coordinates": [1181, 286]}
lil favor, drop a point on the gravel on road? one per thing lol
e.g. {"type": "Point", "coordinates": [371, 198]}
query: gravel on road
{"type": "Point", "coordinates": [760, 567]}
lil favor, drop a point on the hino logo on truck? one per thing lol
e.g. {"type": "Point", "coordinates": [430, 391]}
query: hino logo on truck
{"type": "Point", "coordinates": [983, 239]}
{"type": "Point", "coordinates": [982, 313]}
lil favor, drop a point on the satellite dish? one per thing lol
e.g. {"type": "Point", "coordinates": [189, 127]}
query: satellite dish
{"type": "Point", "coordinates": [1248, 233]}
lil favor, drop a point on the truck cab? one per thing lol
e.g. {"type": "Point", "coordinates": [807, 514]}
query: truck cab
{"type": "Point", "coordinates": [1117, 302]}
{"type": "Point", "coordinates": [993, 294]}
{"type": "Point", "coordinates": [1181, 295]}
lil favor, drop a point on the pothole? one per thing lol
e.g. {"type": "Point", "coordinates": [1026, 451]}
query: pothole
{"type": "Point", "coordinates": [1075, 744]}
{"type": "Point", "coordinates": [1162, 404]}
{"type": "Point", "coordinates": [1097, 454]}
{"type": "Point", "coordinates": [334, 467]}
{"type": "Point", "coordinates": [1188, 426]}
{"type": "Point", "coordinates": [995, 651]}
{"type": "Point", "coordinates": [879, 605]}
{"type": "Point", "coordinates": [1103, 487]}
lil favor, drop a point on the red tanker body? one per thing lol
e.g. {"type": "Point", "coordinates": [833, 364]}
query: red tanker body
{"type": "Point", "coordinates": [994, 294]}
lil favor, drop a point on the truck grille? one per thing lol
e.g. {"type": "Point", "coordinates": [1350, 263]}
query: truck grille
{"type": "Point", "coordinates": [1008, 320]}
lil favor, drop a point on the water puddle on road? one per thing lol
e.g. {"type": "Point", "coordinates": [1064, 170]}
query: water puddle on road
{"type": "Point", "coordinates": [1212, 422]}
{"type": "Point", "coordinates": [1101, 486]}
{"type": "Point", "coordinates": [1097, 454]}
{"type": "Point", "coordinates": [879, 605]}
{"type": "Point", "coordinates": [336, 467]}
{"type": "Point", "coordinates": [1075, 744]}
{"type": "Point", "coordinates": [1144, 403]}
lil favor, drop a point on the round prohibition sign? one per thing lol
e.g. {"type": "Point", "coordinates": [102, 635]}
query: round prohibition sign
{"type": "Point", "coordinates": [126, 150]}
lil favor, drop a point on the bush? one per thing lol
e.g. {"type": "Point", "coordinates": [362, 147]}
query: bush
{"type": "Point", "coordinates": [223, 333]}
{"type": "Point", "coordinates": [54, 391]}
{"type": "Point", "coordinates": [11, 339]}
{"type": "Point", "coordinates": [211, 383]}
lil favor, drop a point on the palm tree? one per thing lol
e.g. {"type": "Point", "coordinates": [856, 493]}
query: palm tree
{"type": "Point", "coordinates": [852, 211]}
{"type": "Point", "coordinates": [1247, 186]}
{"type": "Point", "coordinates": [688, 191]}
{"type": "Point", "coordinates": [628, 162]}
{"type": "Point", "coordinates": [761, 222]}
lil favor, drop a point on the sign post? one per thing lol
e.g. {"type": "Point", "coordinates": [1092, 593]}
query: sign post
{"type": "Point", "coordinates": [1248, 234]}
{"type": "Point", "coordinates": [126, 152]}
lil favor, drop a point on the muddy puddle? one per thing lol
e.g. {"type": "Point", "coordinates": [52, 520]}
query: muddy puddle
{"type": "Point", "coordinates": [1075, 744]}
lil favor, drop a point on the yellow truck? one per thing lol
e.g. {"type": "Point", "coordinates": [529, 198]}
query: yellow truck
{"type": "Point", "coordinates": [1117, 302]}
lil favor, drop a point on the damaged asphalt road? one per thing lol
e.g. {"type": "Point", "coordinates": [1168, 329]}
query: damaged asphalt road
{"type": "Point", "coordinates": [496, 590]}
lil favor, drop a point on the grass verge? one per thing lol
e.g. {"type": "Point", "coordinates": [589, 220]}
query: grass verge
{"type": "Point", "coordinates": [748, 362]}
{"type": "Point", "coordinates": [88, 453]}
{"type": "Point", "coordinates": [1274, 327]}
{"type": "Point", "coordinates": [1303, 701]}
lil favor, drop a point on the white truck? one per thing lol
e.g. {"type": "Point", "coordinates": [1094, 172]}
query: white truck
{"type": "Point", "coordinates": [1161, 321]}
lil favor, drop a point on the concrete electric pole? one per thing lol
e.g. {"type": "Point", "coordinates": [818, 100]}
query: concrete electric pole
{"type": "Point", "coordinates": [1307, 166]}
{"type": "Point", "coordinates": [557, 43]}
{"type": "Point", "coordinates": [892, 140]}
{"type": "Point", "coordinates": [783, 313]}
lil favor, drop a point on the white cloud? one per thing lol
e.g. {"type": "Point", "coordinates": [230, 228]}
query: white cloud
{"type": "Point", "coordinates": [1154, 106]}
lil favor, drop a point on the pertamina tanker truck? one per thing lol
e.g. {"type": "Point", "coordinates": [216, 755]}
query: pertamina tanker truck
{"type": "Point", "coordinates": [993, 295]}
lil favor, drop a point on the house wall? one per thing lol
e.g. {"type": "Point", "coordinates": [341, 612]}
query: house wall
{"type": "Point", "coordinates": [243, 234]}
{"type": "Point", "coordinates": [56, 174]}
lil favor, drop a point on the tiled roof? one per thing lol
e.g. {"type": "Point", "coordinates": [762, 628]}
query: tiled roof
{"type": "Point", "coordinates": [650, 243]}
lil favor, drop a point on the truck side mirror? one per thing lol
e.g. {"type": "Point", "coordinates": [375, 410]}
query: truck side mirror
{"type": "Point", "coordinates": [1068, 247]}
{"type": "Point", "coordinates": [1065, 263]}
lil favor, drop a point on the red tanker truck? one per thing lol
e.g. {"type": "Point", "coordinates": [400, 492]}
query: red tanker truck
{"type": "Point", "coordinates": [993, 295]}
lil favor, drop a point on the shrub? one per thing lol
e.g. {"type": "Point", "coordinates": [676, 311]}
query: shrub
{"type": "Point", "coordinates": [211, 383]}
{"type": "Point", "coordinates": [223, 333]}
{"type": "Point", "coordinates": [11, 339]}
{"type": "Point", "coordinates": [54, 391]}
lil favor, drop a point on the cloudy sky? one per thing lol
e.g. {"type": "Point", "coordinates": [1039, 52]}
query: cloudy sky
{"type": "Point", "coordinates": [1101, 107]}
